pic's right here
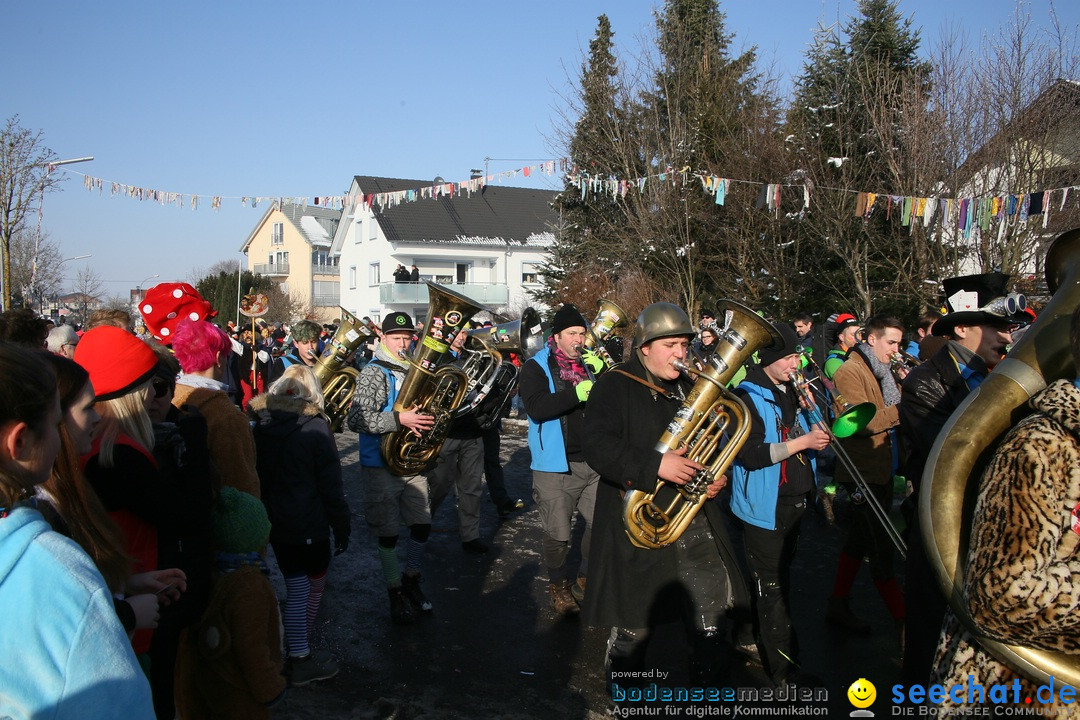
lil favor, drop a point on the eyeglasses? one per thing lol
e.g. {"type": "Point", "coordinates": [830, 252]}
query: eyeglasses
{"type": "Point", "coordinates": [162, 387]}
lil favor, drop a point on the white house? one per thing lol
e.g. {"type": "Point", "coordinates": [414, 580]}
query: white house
{"type": "Point", "coordinates": [484, 242]}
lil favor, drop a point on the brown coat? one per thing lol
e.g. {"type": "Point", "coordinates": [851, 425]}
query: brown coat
{"type": "Point", "coordinates": [232, 447]}
{"type": "Point", "coordinates": [228, 665]}
{"type": "Point", "coordinates": [870, 448]}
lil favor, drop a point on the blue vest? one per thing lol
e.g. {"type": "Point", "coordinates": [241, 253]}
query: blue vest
{"type": "Point", "coordinates": [370, 455]}
{"type": "Point", "coordinates": [546, 443]}
{"type": "Point", "coordinates": [754, 492]}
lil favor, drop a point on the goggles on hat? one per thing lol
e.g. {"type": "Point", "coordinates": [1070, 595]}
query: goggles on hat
{"type": "Point", "coordinates": [1011, 304]}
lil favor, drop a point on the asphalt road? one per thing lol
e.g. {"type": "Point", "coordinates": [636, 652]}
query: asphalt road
{"type": "Point", "coordinates": [493, 648]}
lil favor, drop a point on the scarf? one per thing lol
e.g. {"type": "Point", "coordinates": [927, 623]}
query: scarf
{"type": "Point", "coordinates": [227, 562]}
{"type": "Point", "coordinates": [572, 370]}
{"type": "Point", "coordinates": [883, 372]}
{"type": "Point", "coordinates": [198, 381]}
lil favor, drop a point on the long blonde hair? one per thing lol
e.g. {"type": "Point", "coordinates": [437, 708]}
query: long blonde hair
{"type": "Point", "coordinates": [125, 414]}
{"type": "Point", "coordinates": [299, 381]}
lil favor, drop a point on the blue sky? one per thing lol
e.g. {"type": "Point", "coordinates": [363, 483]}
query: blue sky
{"type": "Point", "coordinates": [294, 99]}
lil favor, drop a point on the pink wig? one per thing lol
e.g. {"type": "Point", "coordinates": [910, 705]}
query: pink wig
{"type": "Point", "coordinates": [198, 343]}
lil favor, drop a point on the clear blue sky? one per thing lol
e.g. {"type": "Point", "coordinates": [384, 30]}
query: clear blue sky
{"type": "Point", "coordinates": [294, 99]}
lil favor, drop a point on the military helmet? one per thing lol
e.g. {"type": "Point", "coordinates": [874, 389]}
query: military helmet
{"type": "Point", "coordinates": [661, 320]}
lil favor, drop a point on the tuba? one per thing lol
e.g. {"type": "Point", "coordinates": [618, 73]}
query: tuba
{"type": "Point", "coordinates": [339, 381]}
{"type": "Point", "coordinates": [436, 391]}
{"type": "Point", "coordinates": [609, 318]}
{"type": "Point", "coordinates": [493, 378]}
{"type": "Point", "coordinates": [709, 413]}
{"type": "Point", "coordinates": [966, 444]}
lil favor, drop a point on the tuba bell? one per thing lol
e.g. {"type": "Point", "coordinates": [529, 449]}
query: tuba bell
{"type": "Point", "coordinates": [609, 318]}
{"type": "Point", "coordinates": [709, 413]}
{"type": "Point", "coordinates": [338, 380]}
{"type": "Point", "coordinates": [492, 377]}
{"type": "Point", "coordinates": [965, 445]}
{"type": "Point", "coordinates": [436, 391]}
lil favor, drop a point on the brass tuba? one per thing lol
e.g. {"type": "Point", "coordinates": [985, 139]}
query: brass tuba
{"type": "Point", "coordinates": [709, 412]}
{"type": "Point", "coordinates": [966, 445]}
{"type": "Point", "coordinates": [339, 381]}
{"type": "Point", "coordinates": [436, 391]}
{"type": "Point", "coordinates": [492, 377]}
{"type": "Point", "coordinates": [609, 318]}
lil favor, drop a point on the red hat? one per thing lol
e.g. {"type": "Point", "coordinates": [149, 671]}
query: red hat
{"type": "Point", "coordinates": [167, 304]}
{"type": "Point", "coordinates": [116, 360]}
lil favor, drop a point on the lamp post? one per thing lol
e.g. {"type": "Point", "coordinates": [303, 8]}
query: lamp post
{"type": "Point", "coordinates": [139, 291]}
{"type": "Point", "coordinates": [58, 266]}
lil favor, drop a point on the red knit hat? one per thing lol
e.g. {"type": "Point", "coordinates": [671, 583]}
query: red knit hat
{"type": "Point", "coordinates": [116, 360]}
{"type": "Point", "coordinates": [167, 304]}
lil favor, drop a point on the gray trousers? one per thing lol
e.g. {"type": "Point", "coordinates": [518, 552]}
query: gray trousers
{"type": "Point", "coordinates": [558, 496]}
{"type": "Point", "coordinates": [461, 464]}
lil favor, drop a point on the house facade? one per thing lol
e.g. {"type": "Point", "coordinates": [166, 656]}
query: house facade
{"type": "Point", "coordinates": [482, 241]}
{"type": "Point", "coordinates": [292, 244]}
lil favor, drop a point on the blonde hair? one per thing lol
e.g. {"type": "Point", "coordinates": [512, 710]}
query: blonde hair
{"type": "Point", "coordinates": [299, 381]}
{"type": "Point", "coordinates": [126, 414]}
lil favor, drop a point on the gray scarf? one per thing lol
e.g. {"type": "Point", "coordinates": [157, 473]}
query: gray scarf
{"type": "Point", "coordinates": [883, 372]}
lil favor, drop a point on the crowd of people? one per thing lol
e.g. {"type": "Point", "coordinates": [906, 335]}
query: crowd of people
{"type": "Point", "coordinates": [149, 471]}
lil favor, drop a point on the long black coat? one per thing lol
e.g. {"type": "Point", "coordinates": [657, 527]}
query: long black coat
{"type": "Point", "coordinates": [624, 420]}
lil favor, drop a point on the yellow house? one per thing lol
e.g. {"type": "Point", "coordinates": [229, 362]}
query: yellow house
{"type": "Point", "coordinates": [291, 244]}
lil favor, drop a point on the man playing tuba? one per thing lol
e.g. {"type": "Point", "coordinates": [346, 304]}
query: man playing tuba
{"type": "Point", "coordinates": [388, 499]}
{"type": "Point", "coordinates": [632, 588]}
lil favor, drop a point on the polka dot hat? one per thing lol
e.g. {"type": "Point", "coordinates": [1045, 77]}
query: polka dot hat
{"type": "Point", "coordinates": [165, 305]}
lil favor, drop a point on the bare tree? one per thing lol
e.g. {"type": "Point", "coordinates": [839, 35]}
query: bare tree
{"type": "Point", "coordinates": [24, 179]}
{"type": "Point", "coordinates": [88, 289]}
{"type": "Point", "coordinates": [35, 267]}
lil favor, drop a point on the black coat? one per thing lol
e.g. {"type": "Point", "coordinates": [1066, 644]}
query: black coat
{"type": "Point", "coordinates": [624, 420]}
{"type": "Point", "coordinates": [931, 392]}
{"type": "Point", "coordinates": [299, 471]}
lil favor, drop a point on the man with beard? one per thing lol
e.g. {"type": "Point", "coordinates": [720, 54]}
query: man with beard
{"type": "Point", "coordinates": [631, 589]}
{"type": "Point", "coordinates": [976, 331]}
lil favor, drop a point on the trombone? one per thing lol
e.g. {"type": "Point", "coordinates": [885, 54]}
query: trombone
{"type": "Point", "coordinates": [848, 422]}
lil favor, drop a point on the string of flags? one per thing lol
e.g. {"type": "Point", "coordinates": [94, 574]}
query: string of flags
{"type": "Point", "coordinates": [964, 213]}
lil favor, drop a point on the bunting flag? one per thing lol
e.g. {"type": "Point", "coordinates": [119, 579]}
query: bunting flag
{"type": "Point", "coordinates": [966, 214]}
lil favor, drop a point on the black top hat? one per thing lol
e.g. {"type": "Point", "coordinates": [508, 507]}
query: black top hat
{"type": "Point", "coordinates": [980, 300]}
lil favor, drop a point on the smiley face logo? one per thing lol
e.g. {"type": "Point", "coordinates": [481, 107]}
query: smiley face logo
{"type": "Point", "coordinates": [862, 693]}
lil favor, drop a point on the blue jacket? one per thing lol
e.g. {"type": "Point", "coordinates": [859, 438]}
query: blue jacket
{"type": "Point", "coordinates": [65, 653]}
{"type": "Point", "coordinates": [754, 492]}
{"type": "Point", "coordinates": [546, 442]}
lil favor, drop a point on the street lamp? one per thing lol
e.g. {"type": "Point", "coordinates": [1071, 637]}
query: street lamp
{"type": "Point", "coordinates": [139, 292]}
{"type": "Point", "coordinates": [58, 265]}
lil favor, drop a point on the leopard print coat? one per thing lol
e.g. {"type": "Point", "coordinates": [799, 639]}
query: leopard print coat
{"type": "Point", "coordinates": [1023, 576]}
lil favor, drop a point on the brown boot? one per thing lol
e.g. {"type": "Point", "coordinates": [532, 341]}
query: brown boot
{"type": "Point", "coordinates": [562, 602]}
{"type": "Point", "coordinates": [577, 589]}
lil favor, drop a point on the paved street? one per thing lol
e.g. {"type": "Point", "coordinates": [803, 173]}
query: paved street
{"type": "Point", "coordinates": [493, 648]}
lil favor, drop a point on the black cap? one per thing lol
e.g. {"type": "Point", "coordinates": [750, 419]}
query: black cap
{"type": "Point", "coordinates": [396, 321]}
{"type": "Point", "coordinates": [791, 345]}
{"type": "Point", "coordinates": [568, 316]}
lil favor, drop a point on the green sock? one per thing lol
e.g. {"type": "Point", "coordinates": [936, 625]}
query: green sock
{"type": "Point", "coordinates": [390, 569]}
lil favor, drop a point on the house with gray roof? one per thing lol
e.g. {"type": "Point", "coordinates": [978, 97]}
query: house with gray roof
{"type": "Point", "coordinates": [291, 243]}
{"type": "Point", "coordinates": [483, 241]}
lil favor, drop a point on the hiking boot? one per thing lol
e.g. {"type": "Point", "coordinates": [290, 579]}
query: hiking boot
{"type": "Point", "coordinates": [562, 602]}
{"type": "Point", "coordinates": [510, 507]}
{"type": "Point", "coordinates": [401, 611]}
{"type": "Point", "coordinates": [840, 614]}
{"type": "Point", "coordinates": [410, 584]}
{"type": "Point", "coordinates": [825, 503]}
{"type": "Point", "coordinates": [310, 668]}
{"type": "Point", "coordinates": [577, 589]}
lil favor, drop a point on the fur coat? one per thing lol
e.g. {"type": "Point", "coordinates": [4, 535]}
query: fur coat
{"type": "Point", "coordinates": [1022, 584]}
{"type": "Point", "coordinates": [232, 448]}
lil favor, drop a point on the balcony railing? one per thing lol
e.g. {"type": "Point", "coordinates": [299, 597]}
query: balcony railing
{"type": "Point", "coordinates": [272, 269]}
{"type": "Point", "coordinates": [326, 300]}
{"type": "Point", "coordinates": [492, 294]}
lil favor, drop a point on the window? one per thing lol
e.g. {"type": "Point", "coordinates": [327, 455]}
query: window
{"type": "Point", "coordinates": [530, 273]}
{"type": "Point", "coordinates": [373, 274]}
{"type": "Point", "coordinates": [352, 277]}
{"type": "Point", "coordinates": [278, 235]}
{"type": "Point", "coordinates": [373, 229]}
{"type": "Point", "coordinates": [321, 259]}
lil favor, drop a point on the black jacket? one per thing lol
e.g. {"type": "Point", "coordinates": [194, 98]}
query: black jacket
{"type": "Point", "coordinates": [931, 392]}
{"type": "Point", "coordinates": [625, 419]}
{"type": "Point", "coordinates": [299, 470]}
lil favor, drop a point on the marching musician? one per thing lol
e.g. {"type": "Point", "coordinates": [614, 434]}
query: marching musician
{"type": "Point", "coordinates": [388, 499]}
{"type": "Point", "coordinates": [461, 464]}
{"type": "Point", "coordinates": [866, 376]}
{"type": "Point", "coordinates": [771, 481]}
{"type": "Point", "coordinates": [975, 341]}
{"type": "Point", "coordinates": [554, 386]}
{"type": "Point", "coordinates": [632, 589]}
{"type": "Point", "coordinates": [305, 342]}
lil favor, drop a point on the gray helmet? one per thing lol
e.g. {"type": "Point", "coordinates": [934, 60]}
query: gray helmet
{"type": "Point", "coordinates": [661, 320]}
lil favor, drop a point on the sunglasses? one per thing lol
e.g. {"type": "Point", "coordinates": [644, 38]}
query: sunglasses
{"type": "Point", "coordinates": [162, 387]}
